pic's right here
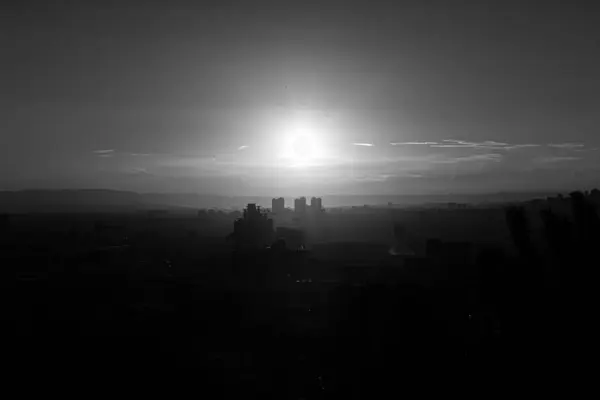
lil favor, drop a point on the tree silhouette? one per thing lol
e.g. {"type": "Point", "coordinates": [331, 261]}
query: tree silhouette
{"type": "Point", "coordinates": [519, 230]}
{"type": "Point", "coordinates": [587, 224]}
{"type": "Point", "coordinates": [573, 241]}
{"type": "Point", "coordinates": [565, 300]}
{"type": "Point", "coordinates": [557, 232]}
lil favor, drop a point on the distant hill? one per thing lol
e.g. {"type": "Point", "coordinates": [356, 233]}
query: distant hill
{"type": "Point", "coordinates": [61, 201]}
{"type": "Point", "coordinates": [65, 200]}
{"type": "Point", "coordinates": [104, 200]}
{"type": "Point", "coordinates": [101, 200]}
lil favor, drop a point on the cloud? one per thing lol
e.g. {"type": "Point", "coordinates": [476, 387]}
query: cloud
{"type": "Point", "coordinates": [243, 147]}
{"type": "Point", "coordinates": [140, 154]}
{"type": "Point", "coordinates": [521, 146]}
{"type": "Point", "coordinates": [482, 157]}
{"type": "Point", "coordinates": [457, 143]}
{"type": "Point", "coordinates": [487, 144]}
{"type": "Point", "coordinates": [190, 165]}
{"type": "Point", "coordinates": [363, 144]}
{"type": "Point", "coordinates": [566, 145]}
{"type": "Point", "coordinates": [412, 143]}
{"type": "Point", "coordinates": [493, 157]}
{"type": "Point", "coordinates": [107, 151]}
{"type": "Point", "coordinates": [493, 143]}
{"type": "Point", "coordinates": [372, 178]}
{"type": "Point", "coordinates": [585, 150]}
{"type": "Point", "coordinates": [453, 143]}
{"type": "Point", "coordinates": [557, 159]}
{"type": "Point", "coordinates": [139, 171]}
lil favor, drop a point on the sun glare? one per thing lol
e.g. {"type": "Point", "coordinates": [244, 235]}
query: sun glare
{"type": "Point", "coordinates": [302, 146]}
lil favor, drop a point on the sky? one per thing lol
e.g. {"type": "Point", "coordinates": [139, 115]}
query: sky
{"type": "Point", "coordinates": [289, 98]}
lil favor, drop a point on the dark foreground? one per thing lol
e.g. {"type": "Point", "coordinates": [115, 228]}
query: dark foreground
{"type": "Point", "coordinates": [274, 323]}
{"type": "Point", "coordinates": [253, 337]}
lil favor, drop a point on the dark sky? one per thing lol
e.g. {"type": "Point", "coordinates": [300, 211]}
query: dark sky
{"type": "Point", "coordinates": [300, 97]}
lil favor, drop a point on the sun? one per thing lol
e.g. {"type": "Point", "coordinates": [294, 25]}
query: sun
{"type": "Point", "coordinates": [302, 147]}
{"type": "Point", "coordinates": [302, 143]}
{"type": "Point", "coordinates": [301, 150]}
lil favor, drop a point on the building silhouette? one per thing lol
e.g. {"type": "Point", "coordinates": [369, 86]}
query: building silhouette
{"type": "Point", "coordinates": [278, 205]}
{"type": "Point", "coordinates": [401, 245]}
{"type": "Point", "coordinates": [254, 230]}
{"type": "Point", "coordinates": [293, 238]}
{"type": "Point", "coordinates": [300, 205]}
{"type": "Point", "coordinates": [316, 204]}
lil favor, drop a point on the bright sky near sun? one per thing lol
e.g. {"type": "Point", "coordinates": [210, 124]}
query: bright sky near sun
{"type": "Point", "coordinates": [304, 141]}
{"type": "Point", "coordinates": [265, 97]}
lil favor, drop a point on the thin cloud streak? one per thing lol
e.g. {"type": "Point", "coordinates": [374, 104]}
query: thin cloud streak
{"type": "Point", "coordinates": [558, 159]}
{"type": "Point", "coordinates": [566, 145]}
{"type": "Point", "coordinates": [477, 157]}
{"type": "Point", "coordinates": [141, 171]}
{"type": "Point", "coordinates": [522, 146]}
{"type": "Point", "coordinates": [482, 157]}
{"type": "Point", "coordinates": [242, 147]}
{"type": "Point", "coordinates": [463, 143]}
{"type": "Point", "coordinates": [412, 143]}
{"type": "Point", "coordinates": [453, 143]}
{"type": "Point", "coordinates": [107, 151]}
{"type": "Point", "coordinates": [488, 144]}
{"type": "Point", "coordinates": [363, 144]}
{"type": "Point", "coordinates": [492, 143]}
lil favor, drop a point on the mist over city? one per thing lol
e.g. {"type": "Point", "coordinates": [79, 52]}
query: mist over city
{"type": "Point", "coordinates": [303, 200]}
